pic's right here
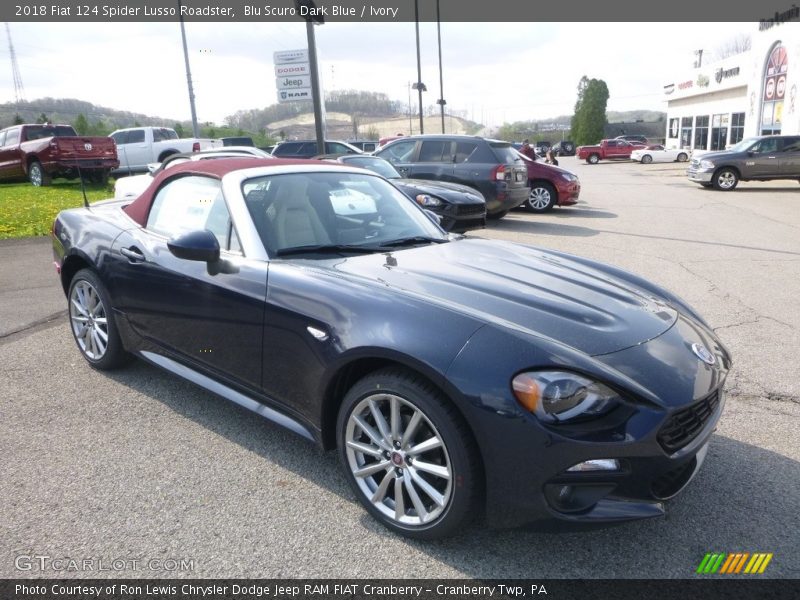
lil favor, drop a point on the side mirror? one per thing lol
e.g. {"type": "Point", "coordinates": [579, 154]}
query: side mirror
{"type": "Point", "coordinates": [200, 245]}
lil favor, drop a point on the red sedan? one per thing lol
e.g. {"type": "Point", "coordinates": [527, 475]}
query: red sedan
{"type": "Point", "coordinates": [550, 185]}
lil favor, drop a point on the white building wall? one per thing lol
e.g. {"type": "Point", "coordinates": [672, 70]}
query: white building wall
{"type": "Point", "coordinates": [732, 87]}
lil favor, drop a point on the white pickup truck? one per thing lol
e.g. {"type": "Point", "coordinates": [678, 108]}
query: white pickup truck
{"type": "Point", "coordinates": [139, 146]}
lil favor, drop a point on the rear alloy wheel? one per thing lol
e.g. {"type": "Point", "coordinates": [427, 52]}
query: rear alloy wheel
{"type": "Point", "coordinates": [647, 159]}
{"type": "Point", "coordinates": [683, 157]}
{"type": "Point", "coordinates": [542, 197]}
{"type": "Point", "coordinates": [92, 322]}
{"type": "Point", "coordinates": [37, 175]}
{"type": "Point", "coordinates": [408, 455]}
{"type": "Point", "coordinates": [725, 179]}
{"type": "Point", "coordinates": [593, 159]}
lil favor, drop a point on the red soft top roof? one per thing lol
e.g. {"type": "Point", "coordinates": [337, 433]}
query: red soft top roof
{"type": "Point", "coordinates": [139, 209]}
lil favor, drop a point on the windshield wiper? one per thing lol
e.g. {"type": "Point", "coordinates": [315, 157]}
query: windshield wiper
{"type": "Point", "coordinates": [327, 248]}
{"type": "Point", "coordinates": [411, 241]}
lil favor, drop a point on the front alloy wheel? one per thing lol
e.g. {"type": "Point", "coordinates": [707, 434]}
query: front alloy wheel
{"type": "Point", "coordinates": [542, 197]}
{"type": "Point", "coordinates": [407, 454]}
{"type": "Point", "coordinates": [726, 179]}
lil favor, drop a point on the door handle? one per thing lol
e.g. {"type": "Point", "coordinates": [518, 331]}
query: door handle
{"type": "Point", "coordinates": [133, 254]}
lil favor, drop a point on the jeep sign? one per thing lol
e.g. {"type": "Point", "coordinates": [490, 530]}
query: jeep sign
{"type": "Point", "coordinates": [292, 82]}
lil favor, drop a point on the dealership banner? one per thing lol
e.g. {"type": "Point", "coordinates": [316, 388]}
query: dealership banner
{"type": "Point", "coordinates": [766, 12]}
{"type": "Point", "coordinates": [396, 589]}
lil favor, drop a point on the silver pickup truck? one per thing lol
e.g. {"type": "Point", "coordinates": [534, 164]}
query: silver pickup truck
{"type": "Point", "coordinates": [756, 158]}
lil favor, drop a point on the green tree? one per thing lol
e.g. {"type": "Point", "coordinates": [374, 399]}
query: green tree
{"type": "Point", "coordinates": [589, 120]}
{"type": "Point", "coordinates": [43, 118]}
{"type": "Point", "coordinates": [179, 130]}
{"type": "Point", "coordinates": [18, 119]}
{"type": "Point", "coordinates": [99, 127]}
{"type": "Point", "coordinates": [81, 125]}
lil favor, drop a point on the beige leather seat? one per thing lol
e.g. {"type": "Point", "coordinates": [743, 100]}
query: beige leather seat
{"type": "Point", "coordinates": [296, 221]}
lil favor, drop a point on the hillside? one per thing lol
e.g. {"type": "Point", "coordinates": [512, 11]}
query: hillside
{"type": "Point", "coordinates": [66, 110]}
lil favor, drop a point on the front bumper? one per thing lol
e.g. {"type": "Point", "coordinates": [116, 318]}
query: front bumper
{"type": "Point", "coordinates": [568, 194]}
{"type": "Point", "coordinates": [699, 176]}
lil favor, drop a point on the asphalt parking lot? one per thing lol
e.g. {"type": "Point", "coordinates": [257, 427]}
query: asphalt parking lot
{"type": "Point", "coordinates": [138, 465]}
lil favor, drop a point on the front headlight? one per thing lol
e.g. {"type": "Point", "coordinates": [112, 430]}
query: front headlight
{"type": "Point", "coordinates": [706, 164]}
{"type": "Point", "coordinates": [569, 177]}
{"type": "Point", "coordinates": [426, 200]}
{"type": "Point", "coordinates": [557, 396]}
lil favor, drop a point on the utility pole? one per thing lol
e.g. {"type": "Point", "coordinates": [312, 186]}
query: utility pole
{"type": "Point", "coordinates": [441, 101]}
{"type": "Point", "coordinates": [312, 19]}
{"type": "Point", "coordinates": [195, 128]}
{"type": "Point", "coordinates": [419, 86]}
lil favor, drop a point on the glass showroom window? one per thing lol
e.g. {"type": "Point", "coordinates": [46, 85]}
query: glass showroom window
{"type": "Point", "coordinates": [774, 90]}
{"type": "Point", "coordinates": [686, 132]}
{"type": "Point", "coordinates": [737, 127]}
{"type": "Point", "coordinates": [719, 131]}
{"type": "Point", "coordinates": [701, 132]}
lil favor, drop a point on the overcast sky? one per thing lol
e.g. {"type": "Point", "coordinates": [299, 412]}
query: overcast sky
{"type": "Point", "coordinates": [497, 72]}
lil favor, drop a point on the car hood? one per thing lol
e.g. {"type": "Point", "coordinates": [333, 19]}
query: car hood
{"type": "Point", "coordinates": [714, 155]}
{"type": "Point", "coordinates": [452, 192]}
{"type": "Point", "coordinates": [523, 288]}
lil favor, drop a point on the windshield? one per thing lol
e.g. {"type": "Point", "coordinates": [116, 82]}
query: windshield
{"type": "Point", "coordinates": [379, 165]}
{"type": "Point", "coordinates": [320, 211]}
{"type": "Point", "coordinates": [744, 144]}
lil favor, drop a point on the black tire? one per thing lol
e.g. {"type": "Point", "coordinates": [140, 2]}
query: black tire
{"type": "Point", "coordinates": [497, 215]}
{"type": "Point", "coordinates": [84, 318]}
{"type": "Point", "coordinates": [593, 159]}
{"type": "Point", "coordinates": [725, 179]}
{"type": "Point", "coordinates": [167, 153]}
{"type": "Point", "coordinates": [457, 455]}
{"type": "Point", "coordinates": [37, 175]}
{"type": "Point", "coordinates": [647, 159]}
{"type": "Point", "coordinates": [542, 198]}
{"type": "Point", "coordinates": [683, 157]}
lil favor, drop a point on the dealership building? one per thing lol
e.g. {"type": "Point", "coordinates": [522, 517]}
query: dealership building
{"type": "Point", "coordinates": [752, 93]}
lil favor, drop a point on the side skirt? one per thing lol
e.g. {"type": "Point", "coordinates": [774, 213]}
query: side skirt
{"type": "Point", "coordinates": [228, 393]}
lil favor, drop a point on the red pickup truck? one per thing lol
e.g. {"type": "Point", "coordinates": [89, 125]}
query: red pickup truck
{"type": "Point", "coordinates": [41, 152]}
{"type": "Point", "coordinates": [606, 150]}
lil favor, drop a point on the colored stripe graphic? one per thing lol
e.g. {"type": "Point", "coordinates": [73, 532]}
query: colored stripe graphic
{"type": "Point", "coordinates": [733, 563]}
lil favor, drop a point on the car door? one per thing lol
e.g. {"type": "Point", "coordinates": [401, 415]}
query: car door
{"type": "Point", "coordinates": [434, 161]}
{"type": "Point", "coordinates": [401, 154]}
{"type": "Point", "coordinates": [763, 160]}
{"type": "Point", "coordinates": [10, 154]}
{"type": "Point", "coordinates": [790, 157]}
{"type": "Point", "coordinates": [208, 315]}
{"type": "Point", "coordinates": [133, 149]}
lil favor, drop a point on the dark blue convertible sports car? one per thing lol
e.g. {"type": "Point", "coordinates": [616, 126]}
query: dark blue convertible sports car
{"type": "Point", "coordinates": [454, 376]}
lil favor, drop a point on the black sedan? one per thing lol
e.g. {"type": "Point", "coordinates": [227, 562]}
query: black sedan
{"type": "Point", "coordinates": [460, 207]}
{"type": "Point", "coordinates": [454, 376]}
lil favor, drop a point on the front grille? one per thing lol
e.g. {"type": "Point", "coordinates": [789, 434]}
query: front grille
{"type": "Point", "coordinates": [686, 424]}
{"type": "Point", "coordinates": [470, 209]}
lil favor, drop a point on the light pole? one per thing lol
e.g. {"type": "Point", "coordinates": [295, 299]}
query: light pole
{"type": "Point", "coordinates": [312, 19]}
{"type": "Point", "coordinates": [410, 122]}
{"type": "Point", "coordinates": [419, 86]}
{"type": "Point", "coordinates": [195, 128]}
{"type": "Point", "coordinates": [441, 101]}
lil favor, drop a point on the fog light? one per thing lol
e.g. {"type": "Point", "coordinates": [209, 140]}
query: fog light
{"type": "Point", "coordinates": [598, 464]}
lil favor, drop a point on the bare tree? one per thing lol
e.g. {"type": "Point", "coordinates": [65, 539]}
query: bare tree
{"type": "Point", "coordinates": [737, 44]}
